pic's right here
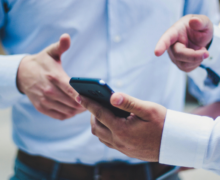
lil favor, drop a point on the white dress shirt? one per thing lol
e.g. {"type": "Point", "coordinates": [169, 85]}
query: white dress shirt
{"type": "Point", "coordinates": [111, 39]}
{"type": "Point", "coordinates": [192, 140]}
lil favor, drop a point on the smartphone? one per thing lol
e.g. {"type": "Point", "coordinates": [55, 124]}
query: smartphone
{"type": "Point", "coordinates": [97, 90]}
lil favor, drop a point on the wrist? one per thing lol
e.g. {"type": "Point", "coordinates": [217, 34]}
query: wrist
{"type": "Point", "coordinates": [20, 71]}
{"type": "Point", "coordinates": [161, 122]}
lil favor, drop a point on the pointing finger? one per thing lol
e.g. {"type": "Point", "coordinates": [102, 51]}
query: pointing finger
{"type": "Point", "coordinates": [167, 39]}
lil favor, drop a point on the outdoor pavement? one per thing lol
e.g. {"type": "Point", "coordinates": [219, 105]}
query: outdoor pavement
{"type": "Point", "coordinates": [8, 151]}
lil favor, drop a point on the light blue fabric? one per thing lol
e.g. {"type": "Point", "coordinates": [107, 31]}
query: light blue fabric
{"type": "Point", "coordinates": [112, 40]}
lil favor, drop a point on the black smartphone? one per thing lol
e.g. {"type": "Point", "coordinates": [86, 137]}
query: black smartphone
{"type": "Point", "coordinates": [97, 90]}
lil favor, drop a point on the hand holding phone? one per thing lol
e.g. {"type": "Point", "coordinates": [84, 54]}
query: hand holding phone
{"type": "Point", "coordinates": [99, 91]}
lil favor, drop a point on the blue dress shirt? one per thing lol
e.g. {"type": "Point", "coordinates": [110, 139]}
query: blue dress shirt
{"type": "Point", "coordinates": [112, 40]}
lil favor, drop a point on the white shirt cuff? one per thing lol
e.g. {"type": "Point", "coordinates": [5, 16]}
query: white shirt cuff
{"type": "Point", "coordinates": [8, 73]}
{"type": "Point", "coordinates": [185, 139]}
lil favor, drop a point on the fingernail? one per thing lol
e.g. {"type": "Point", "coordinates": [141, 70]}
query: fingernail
{"type": "Point", "coordinates": [78, 99]}
{"type": "Point", "coordinates": [205, 56]}
{"type": "Point", "coordinates": [117, 101]}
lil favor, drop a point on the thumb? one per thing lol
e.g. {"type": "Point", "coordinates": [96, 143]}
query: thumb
{"type": "Point", "coordinates": [57, 49]}
{"type": "Point", "coordinates": [127, 103]}
{"type": "Point", "coordinates": [200, 23]}
{"type": "Point", "coordinates": [201, 32]}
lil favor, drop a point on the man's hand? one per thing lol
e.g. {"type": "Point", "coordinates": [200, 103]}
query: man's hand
{"type": "Point", "coordinates": [138, 136]}
{"type": "Point", "coordinates": [42, 78]}
{"type": "Point", "coordinates": [186, 41]}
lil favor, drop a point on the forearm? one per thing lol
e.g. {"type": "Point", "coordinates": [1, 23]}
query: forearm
{"type": "Point", "coordinates": [9, 93]}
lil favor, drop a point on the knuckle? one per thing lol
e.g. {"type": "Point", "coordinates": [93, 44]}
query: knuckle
{"type": "Point", "coordinates": [93, 126]}
{"type": "Point", "coordinates": [167, 44]}
{"type": "Point", "coordinates": [98, 113]}
{"type": "Point", "coordinates": [190, 69]}
{"type": "Point", "coordinates": [118, 145]}
{"type": "Point", "coordinates": [109, 145]}
{"type": "Point", "coordinates": [48, 90]}
{"type": "Point", "coordinates": [72, 112]}
{"type": "Point", "coordinates": [85, 104]}
{"type": "Point", "coordinates": [93, 130]}
{"type": "Point", "coordinates": [61, 117]}
{"type": "Point", "coordinates": [129, 105]}
{"type": "Point", "coordinates": [43, 100]}
{"type": "Point", "coordinates": [39, 107]}
{"type": "Point", "coordinates": [151, 112]}
{"type": "Point", "coordinates": [53, 78]}
{"type": "Point", "coordinates": [183, 65]}
{"type": "Point", "coordinates": [196, 59]}
{"type": "Point", "coordinates": [179, 56]}
{"type": "Point", "coordinates": [173, 60]}
{"type": "Point", "coordinates": [180, 68]}
{"type": "Point", "coordinates": [177, 52]}
{"type": "Point", "coordinates": [121, 131]}
{"type": "Point", "coordinates": [101, 140]}
{"type": "Point", "coordinates": [70, 90]}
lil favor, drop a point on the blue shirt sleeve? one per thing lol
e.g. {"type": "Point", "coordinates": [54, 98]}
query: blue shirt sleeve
{"type": "Point", "coordinates": [9, 93]}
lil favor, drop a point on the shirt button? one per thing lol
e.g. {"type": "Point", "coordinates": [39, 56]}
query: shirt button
{"type": "Point", "coordinates": [119, 84]}
{"type": "Point", "coordinates": [210, 58]}
{"type": "Point", "coordinates": [117, 39]}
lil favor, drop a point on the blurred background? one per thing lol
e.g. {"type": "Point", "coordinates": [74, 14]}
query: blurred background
{"type": "Point", "coordinates": [8, 149]}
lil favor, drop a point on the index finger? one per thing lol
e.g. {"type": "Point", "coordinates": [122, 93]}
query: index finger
{"type": "Point", "coordinates": [102, 114]}
{"type": "Point", "coordinates": [62, 83]}
{"type": "Point", "coordinates": [167, 39]}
